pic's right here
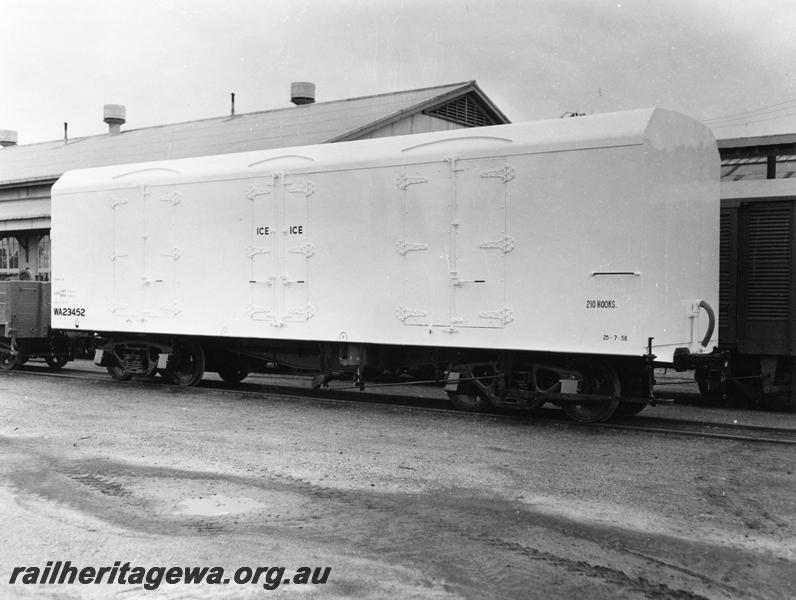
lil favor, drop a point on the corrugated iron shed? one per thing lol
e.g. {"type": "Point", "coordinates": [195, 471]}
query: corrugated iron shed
{"type": "Point", "coordinates": [299, 125]}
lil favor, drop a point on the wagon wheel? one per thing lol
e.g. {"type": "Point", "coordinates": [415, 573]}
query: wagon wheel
{"type": "Point", "coordinates": [8, 361]}
{"type": "Point", "coordinates": [232, 373]}
{"type": "Point", "coordinates": [471, 396]}
{"type": "Point", "coordinates": [597, 378]}
{"type": "Point", "coordinates": [470, 400]}
{"type": "Point", "coordinates": [118, 373]}
{"type": "Point", "coordinates": [56, 361]}
{"type": "Point", "coordinates": [186, 365]}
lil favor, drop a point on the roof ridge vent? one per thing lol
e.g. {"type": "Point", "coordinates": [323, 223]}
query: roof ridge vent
{"type": "Point", "coordinates": [115, 115]}
{"type": "Point", "coordinates": [8, 137]}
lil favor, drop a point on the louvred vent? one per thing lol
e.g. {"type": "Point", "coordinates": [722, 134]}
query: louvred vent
{"type": "Point", "coordinates": [767, 262]}
{"type": "Point", "coordinates": [725, 264]}
{"type": "Point", "coordinates": [465, 110]}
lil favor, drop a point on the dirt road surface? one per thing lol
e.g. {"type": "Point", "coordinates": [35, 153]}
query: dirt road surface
{"type": "Point", "coordinates": [399, 503]}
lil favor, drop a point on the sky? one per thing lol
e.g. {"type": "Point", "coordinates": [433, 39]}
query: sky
{"type": "Point", "coordinates": [730, 63]}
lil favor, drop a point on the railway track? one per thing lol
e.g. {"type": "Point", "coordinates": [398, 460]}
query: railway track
{"type": "Point", "coordinates": [743, 433]}
{"type": "Point", "coordinates": [412, 396]}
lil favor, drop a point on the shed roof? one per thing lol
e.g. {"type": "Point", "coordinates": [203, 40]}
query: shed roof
{"type": "Point", "coordinates": [294, 126]}
{"type": "Point", "coordinates": [760, 140]}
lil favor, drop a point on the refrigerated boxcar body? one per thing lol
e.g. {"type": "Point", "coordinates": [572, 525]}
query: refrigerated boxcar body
{"type": "Point", "coordinates": [757, 324]}
{"type": "Point", "coordinates": [571, 237]}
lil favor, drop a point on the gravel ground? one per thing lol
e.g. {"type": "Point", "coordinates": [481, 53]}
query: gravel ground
{"type": "Point", "coordinates": [400, 503]}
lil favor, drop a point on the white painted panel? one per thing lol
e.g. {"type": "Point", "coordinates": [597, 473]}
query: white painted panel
{"type": "Point", "coordinates": [423, 194]}
{"type": "Point", "coordinates": [296, 249]}
{"type": "Point", "coordinates": [125, 257]}
{"type": "Point", "coordinates": [612, 223]}
{"type": "Point", "coordinates": [482, 242]}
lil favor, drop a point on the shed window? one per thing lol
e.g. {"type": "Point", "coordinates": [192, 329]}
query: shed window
{"type": "Point", "coordinates": [737, 169]}
{"type": "Point", "coordinates": [786, 166]}
{"type": "Point", "coordinates": [9, 256]}
{"type": "Point", "coordinates": [44, 258]}
{"type": "Point", "coordinates": [755, 166]}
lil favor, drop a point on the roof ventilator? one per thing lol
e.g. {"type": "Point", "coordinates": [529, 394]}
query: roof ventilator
{"type": "Point", "coordinates": [8, 137]}
{"type": "Point", "coordinates": [302, 92]}
{"type": "Point", "coordinates": [115, 115]}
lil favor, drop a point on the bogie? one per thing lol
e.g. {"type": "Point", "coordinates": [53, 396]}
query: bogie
{"type": "Point", "coordinates": [587, 389]}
